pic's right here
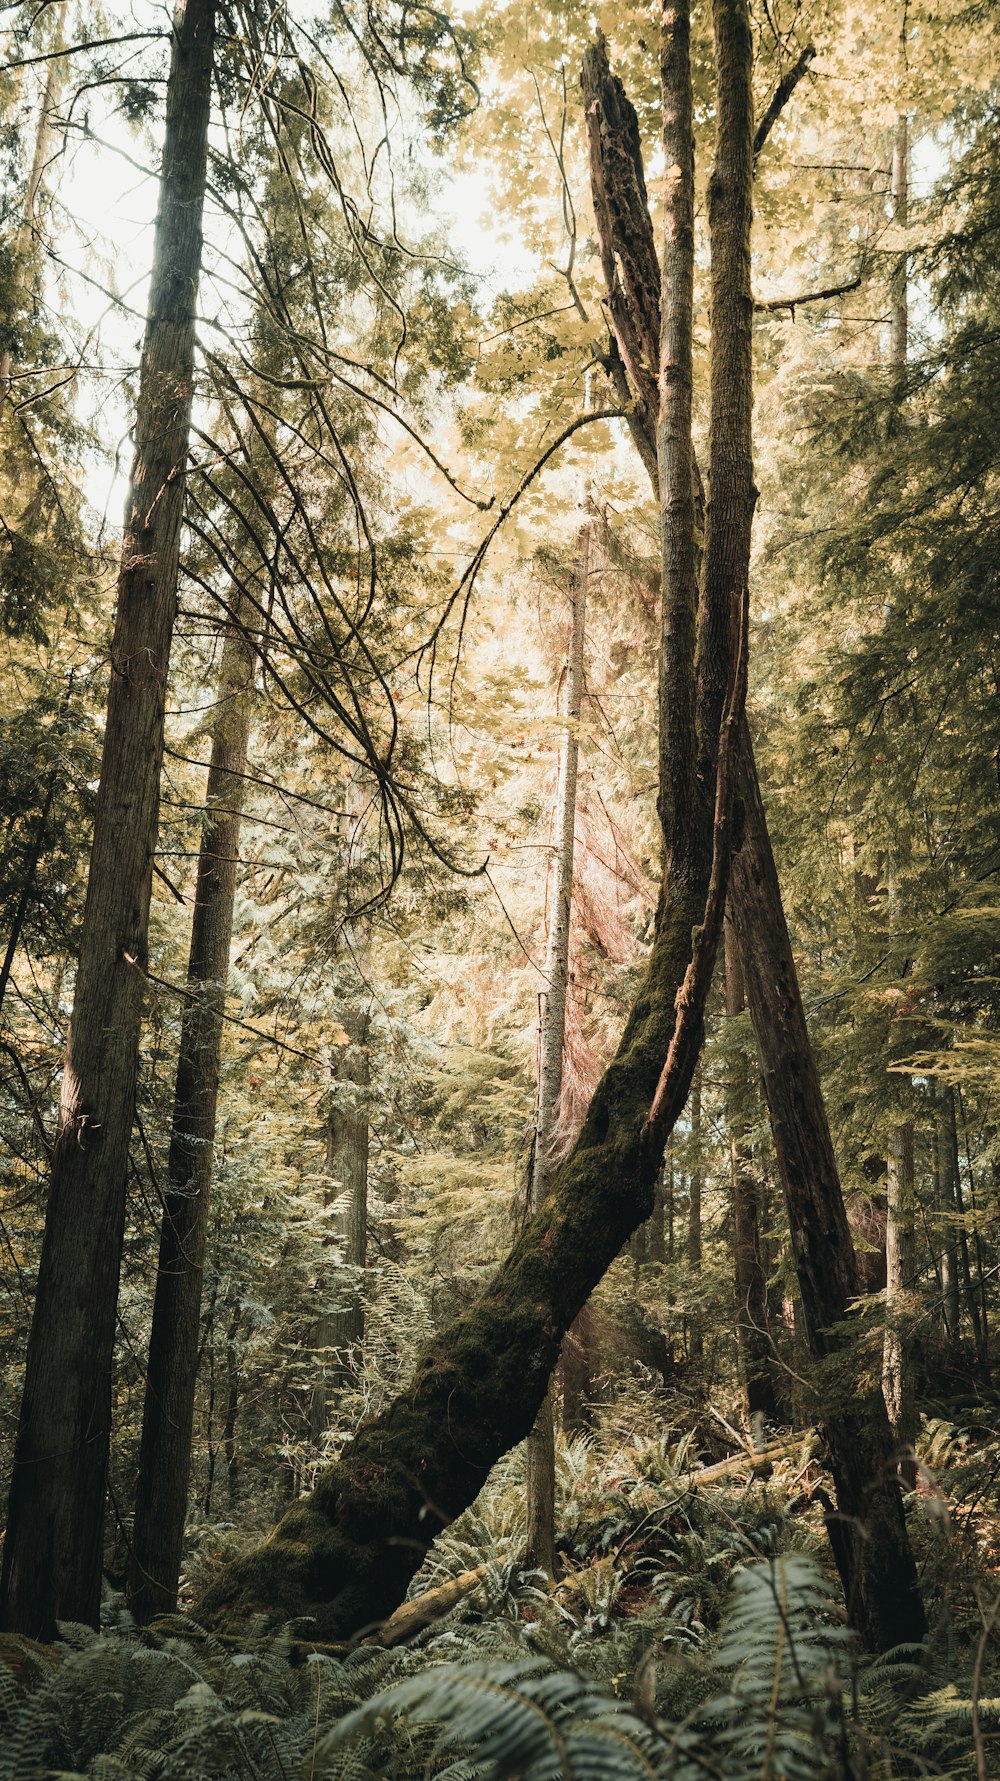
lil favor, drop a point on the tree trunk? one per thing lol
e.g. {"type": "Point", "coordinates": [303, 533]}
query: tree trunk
{"type": "Point", "coordinates": [39, 159]}
{"type": "Point", "coordinates": [168, 1410]}
{"type": "Point", "coordinates": [540, 1457]}
{"type": "Point", "coordinates": [872, 1576]}
{"type": "Point", "coordinates": [868, 1535]}
{"type": "Point", "coordinates": [339, 1334]}
{"type": "Point", "coordinates": [693, 1245]}
{"type": "Point", "coordinates": [52, 1551]}
{"type": "Point", "coordinates": [946, 1174]}
{"type": "Point", "coordinates": [346, 1554]}
{"type": "Point", "coordinates": [750, 1274]}
{"type": "Point", "coordinates": [897, 1372]}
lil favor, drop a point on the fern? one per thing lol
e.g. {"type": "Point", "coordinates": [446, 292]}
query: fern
{"type": "Point", "coordinates": [781, 1714]}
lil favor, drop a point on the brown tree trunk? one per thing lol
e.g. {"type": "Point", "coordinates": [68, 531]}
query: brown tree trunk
{"type": "Point", "coordinates": [946, 1175]}
{"type": "Point", "coordinates": [869, 1534]}
{"type": "Point", "coordinates": [794, 1097]}
{"type": "Point", "coordinates": [168, 1410]}
{"type": "Point", "coordinates": [897, 1372]}
{"type": "Point", "coordinates": [751, 1277]}
{"type": "Point", "coordinates": [540, 1453]}
{"type": "Point", "coordinates": [693, 1245]}
{"type": "Point", "coordinates": [338, 1334]}
{"type": "Point", "coordinates": [52, 1551]}
{"type": "Point", "coordinates": [346, 1554]}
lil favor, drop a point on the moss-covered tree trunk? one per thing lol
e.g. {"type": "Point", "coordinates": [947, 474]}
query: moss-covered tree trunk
{"type": "Point", "coordinates": [880, 1584]}
{"type": "Point", "coordinates": [345, 1554]}
{"type": "Point", "coordinates": [53, 1545]}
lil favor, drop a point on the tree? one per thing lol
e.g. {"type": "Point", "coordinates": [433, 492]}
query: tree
{"type": "Point", "coordinates": [165, 1452]}
{"type": "Point", "coordinates": [877, 1567]}
{"type": "Point", "coordinates": [346, 1553]}
{"type": "Point", "coordinates": [53, 1546]}
{"type": "Point", "coordinates": [540, 1448]}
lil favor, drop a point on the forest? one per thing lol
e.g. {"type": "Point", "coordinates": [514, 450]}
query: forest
{"type": "Point", "coordinates": [500, 895]}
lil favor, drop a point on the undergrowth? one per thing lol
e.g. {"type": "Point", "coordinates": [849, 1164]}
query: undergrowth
{"type": "Point", "coordinates": [693, 1633]}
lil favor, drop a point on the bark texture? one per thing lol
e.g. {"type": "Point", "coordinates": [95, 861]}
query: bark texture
{"type": "Point", "coordinates": [168, 1409]}
{"type": "Point", "coordinates": [540, 1457]}
{"type": "Point", "coordinates": [748, 1255]}
{"type": "Point", "coordinates": [338, 1334]}
{"type": "Point", "coordinates": [897, 1373]}
{"type": "Point", "coordinates": [52, 1551]}
{"type": "Point", "coordinates": [868, 1535]}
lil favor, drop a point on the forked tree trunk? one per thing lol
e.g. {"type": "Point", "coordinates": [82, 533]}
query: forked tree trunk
{"type": "Point", "coordinates": [540, 1456]}
{"type": "Point", "coordinates": [875, 1558]}
{"type": "Point", "coordinates": [53, 1545]}
{"type": "Point", "coordinates": [168, 1410]}
{"type": "Point", "coordinates": [748, 1258]}
{"type": "Point", "coordinates": [346, 1553]}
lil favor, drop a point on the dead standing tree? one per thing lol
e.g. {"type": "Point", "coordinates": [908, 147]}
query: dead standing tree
{"type": "Point", "coordinates": [868, 1532]}
{"type": "Point", "coordinates": [345, 1554]}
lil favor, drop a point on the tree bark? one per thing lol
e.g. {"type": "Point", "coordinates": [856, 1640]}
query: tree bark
{"type": "Point", "coordinates": [540, 1456]}
{"type": "Point", "coordinates": [52, 1551]}
{"type": "Point", "coordinates": [750, 1274]}
{"type": "Point", "coordinates": [946, 1174]}
{"type": "Point", "coordinates": [868, 1535]}
{"type": "Point", "coordinates": [897, 1373]}
{"type": "Point", "coordinates": [695, 1180]}
{"type": "Point", "coordinates": [338, 1334]}
{"type": "Point", "coordinates": [171, 1375]}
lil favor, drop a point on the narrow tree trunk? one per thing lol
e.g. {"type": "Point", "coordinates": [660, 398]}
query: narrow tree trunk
{"type": "Point", "coordinates": [897, 1368]}
{"type": "Point", "coordinates": [869, 1534]}
{"type": "Point", "coordinates": [695, 1179]}
{"type": "Point", "coordinates": [540, 1459]}
{"type": "Point", "coordinates": [751, 1278]}
{"type": "Point", "coordinates": [52, 1550]}
{"type": "Point", "coordinates": [39, 159]}
{"type": "Point", "coordinates": [946, 1175]}
{"type": "Point", "coordinates": [338, 1334]}
{"type": "Point", "coordinates": [168, 1410]}
{"type": "Point", "coordinates": [897, 1371]}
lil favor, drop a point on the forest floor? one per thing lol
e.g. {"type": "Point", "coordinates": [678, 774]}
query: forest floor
{"type": "Point", "coordinates": [695, 1629]}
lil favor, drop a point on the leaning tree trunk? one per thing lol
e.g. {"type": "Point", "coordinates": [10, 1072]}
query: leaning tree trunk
{"type": "Point", "coordinates": [345, 1554]}
{"type": "Point", "coordinates": [868, 1535]}
{"type": "Point", "coordinates": [53, 1545]}
{"type": "Point", "coordinates": [540, 1454]}
{"type": "Point", "coordinates": [43, 140]}
{"type": "Point", "coordinates": [630, 265]}
{"type": "Point", "coordinates": [748, 1255]}
{"type": "Point", "coordinates": [168, 1411]}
